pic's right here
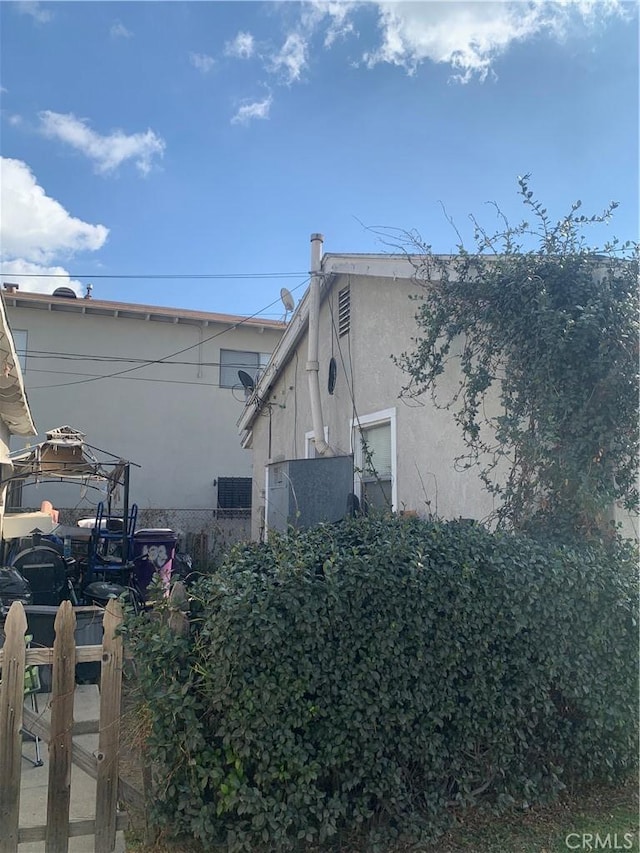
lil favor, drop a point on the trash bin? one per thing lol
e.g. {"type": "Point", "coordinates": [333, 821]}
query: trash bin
{"type": "Point", "coordinates": [40, 622]}
{"type": "Point", "coordinates": [89, 632]}
{"type": "Point", "coordinates": [153, 551]}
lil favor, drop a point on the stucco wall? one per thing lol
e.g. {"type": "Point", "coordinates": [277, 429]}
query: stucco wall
{"type": "Point", "coordinates": [173, 420]}
{"type": "Point", "coordinates": [428, 440]}
{"type": "Point", "coordinates": [382, 323]}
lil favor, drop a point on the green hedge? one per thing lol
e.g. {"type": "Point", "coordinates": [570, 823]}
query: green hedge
{"type": "Point", "coordinates": [379, 672]}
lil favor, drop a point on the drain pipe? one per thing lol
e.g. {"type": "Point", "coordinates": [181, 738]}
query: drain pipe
{"type": "Point", "coordinates": [313, 365]}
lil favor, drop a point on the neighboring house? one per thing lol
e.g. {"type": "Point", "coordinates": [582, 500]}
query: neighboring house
{"type": "Point", "coordinates": [365, 316]}
{"type": "Point", "coordinates": [15, 415]}
{"type": "Point", "coordinates": [156, 386]}
{"type": "Point", "coordinates": [381, 450]}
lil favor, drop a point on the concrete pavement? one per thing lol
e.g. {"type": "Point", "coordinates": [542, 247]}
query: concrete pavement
{"type": "Point", "coordinates": [34, 780]}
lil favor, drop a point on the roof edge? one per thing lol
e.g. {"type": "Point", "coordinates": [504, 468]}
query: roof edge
{"type": "Point", "coordinates": [28, 299]}
{"type": "Point", "coordinates": [14, 405]}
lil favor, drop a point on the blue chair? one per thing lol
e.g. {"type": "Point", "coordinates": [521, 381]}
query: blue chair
{"type": "Point", "coordinates": [105, 549]}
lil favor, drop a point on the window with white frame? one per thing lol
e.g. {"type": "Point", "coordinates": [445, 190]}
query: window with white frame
{"type": "Point", "coordinates": [310, 451]}
{"type": "Point", "coordinates": [20, 343]}
{"type": "Point", "coordinates": [374, 448]}
{"type": "Point", "coordinates": [232, 360]}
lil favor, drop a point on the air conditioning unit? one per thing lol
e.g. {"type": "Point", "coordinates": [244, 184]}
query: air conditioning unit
{"type": "Point", "coordinates": [304, 492]}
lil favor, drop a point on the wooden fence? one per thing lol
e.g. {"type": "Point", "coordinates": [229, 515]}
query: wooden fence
{"type": "Point", "coordinates": [14, 716]}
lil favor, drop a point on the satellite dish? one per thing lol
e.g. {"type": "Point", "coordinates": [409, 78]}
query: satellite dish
{"type": "Point", "coordinates": [287, 301]}
{"type": "Point", "coordinates": [246, 379]}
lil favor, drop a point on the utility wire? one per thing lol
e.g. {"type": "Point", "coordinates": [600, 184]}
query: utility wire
{"type": "Point", "coordinates": [248, 275]}
{"type": "Point", "coordinates": [132, 378]}
{"type": "Point", "coordinates": [149, 379]}
{"type": "Point", "coordinates": [166, 357]}
{"type": "Point", "coordinates": [106, 359]}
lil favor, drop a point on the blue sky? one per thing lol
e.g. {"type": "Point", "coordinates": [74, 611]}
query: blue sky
{"type": "Point", "coordinates": [212, 138]}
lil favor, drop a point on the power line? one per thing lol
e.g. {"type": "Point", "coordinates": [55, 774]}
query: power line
{"type": "Point", "coordinates": [201, 384]}
{"type": "Point", "coordinates": [104, 359]}
{"type": "Point", "coordinates": [50, 355]}
{"type": "Point", "coordinates": [165, 358]}
{"type": "Point", "coordinates": [247, 275]}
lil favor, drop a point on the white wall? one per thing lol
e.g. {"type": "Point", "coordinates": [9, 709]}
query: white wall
{"type": "Point", "coordinates": [428, 440]}
{"type": "Point", "coordinates": [173, 420]}
{"type": "Point", "coordinates": [382, 323]}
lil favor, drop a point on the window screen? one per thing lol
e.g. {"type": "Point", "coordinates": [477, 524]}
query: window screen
{"type": "Point", "coordinates": [231, 361]}
{"type": "Point", "coordinates": [376, 451]}
{"type": "Point", "coordinates": [377, 466]}
{"type": "Point", "coordinates": [234, 492]}
{"type": "Point", "coordinates": [14, 495]}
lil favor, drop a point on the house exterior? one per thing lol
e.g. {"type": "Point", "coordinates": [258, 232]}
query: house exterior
{"type": "Point", "coordinates": [365, 316]}
{"type": "Point", "coordinates": [15, 414]}
{"type": "Point", "coordinates": [156, 386]}
{"type": "Point", "coordinates": [343, 391]}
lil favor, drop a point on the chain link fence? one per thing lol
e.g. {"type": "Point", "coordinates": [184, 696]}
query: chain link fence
{"type": "Point", "coordinates": [205, 534]}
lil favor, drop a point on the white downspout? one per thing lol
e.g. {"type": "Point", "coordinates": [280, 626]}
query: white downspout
{"type": "Point", "coordinates": [313, 366]}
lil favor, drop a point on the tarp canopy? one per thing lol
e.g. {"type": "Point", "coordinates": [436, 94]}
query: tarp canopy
{"type": "Point", "coordinates": [65, 455]}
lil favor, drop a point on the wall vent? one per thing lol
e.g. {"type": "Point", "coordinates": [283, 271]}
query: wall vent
{"type": "Point", "coordinates": [344, 311]}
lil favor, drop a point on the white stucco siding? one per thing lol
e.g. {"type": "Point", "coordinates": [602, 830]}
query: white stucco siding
{"type": "Point", "coordinates": [427, 441]}
{"type": "Point", "coordinates": [173, 420]}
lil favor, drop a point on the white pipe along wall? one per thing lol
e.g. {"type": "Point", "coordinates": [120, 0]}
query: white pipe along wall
{"type": "Point", "coordinates": [313, 366]}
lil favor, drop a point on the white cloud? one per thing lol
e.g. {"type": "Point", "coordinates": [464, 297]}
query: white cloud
{"type": "Point", "coordinates": [34, 10]}
{"type": "Point", "coordinates": [15, 120]}
{"type": "Point", "coordinates": [337, 12]}
{"type": "Point", "coordinates": [469, 36]}
{"type": "Point", "coordinates": [251, 110]}
{"type": "Point", "coordinates": [291, 59]}
{"type": "Point", "coordinates": [107, 152]}
{"type": "Point", "coordinates": [241, 47]}
{"type": "Point", "coordinates": [118, 30]}
{"type": "Point", "coordinates": [202, 62]}
{"type": "Point", "coordinates": [35, 278]}
{"type": "Point", "coordinates": [35, 229]}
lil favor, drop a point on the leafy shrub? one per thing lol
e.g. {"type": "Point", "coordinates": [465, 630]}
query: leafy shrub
{"type": "Point", "coordinates": [377, 672]}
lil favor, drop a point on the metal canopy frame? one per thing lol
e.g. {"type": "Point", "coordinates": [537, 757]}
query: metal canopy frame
{"type": "Point", "coordinates": [65, 456]}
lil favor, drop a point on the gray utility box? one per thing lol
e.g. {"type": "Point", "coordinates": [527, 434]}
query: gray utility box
{"type": "Point", "coordinates": [305, 492]}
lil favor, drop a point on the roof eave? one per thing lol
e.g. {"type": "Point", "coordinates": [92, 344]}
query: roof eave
{"type": "Point", "coordinates": [14, 405]}
{"type": "Point", "coordinates": [279, 357]}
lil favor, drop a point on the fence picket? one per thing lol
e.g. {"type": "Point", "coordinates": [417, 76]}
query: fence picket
{"type": "Point", "coordinates": [62, 751]}
{"type": "Point", "coordinates": [60, 744]}
{"type": "Point", "coordinates": [11, 703]}
{"type": "Point", "coordinates": [109, 743]}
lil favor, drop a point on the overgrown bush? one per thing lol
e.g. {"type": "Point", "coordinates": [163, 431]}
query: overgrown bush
{"type": "Point", "coordinates": [380, 672]}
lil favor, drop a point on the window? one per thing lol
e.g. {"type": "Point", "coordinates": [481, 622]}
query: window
{"type": "Point", "coordinates": [13, 499]}
{"type": "Point", "coordinates": [374, 446]}
{"type": "Point", "coordinates": [310, 443]}
{"type": "Point", "coordinates": [234, 493]}
{"type": "Point", "coordinates": [20, 342]}
{"type": "Point", "coordinates": [231, 361]}
{"type": "Point", "coordinates": [344, 311]}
